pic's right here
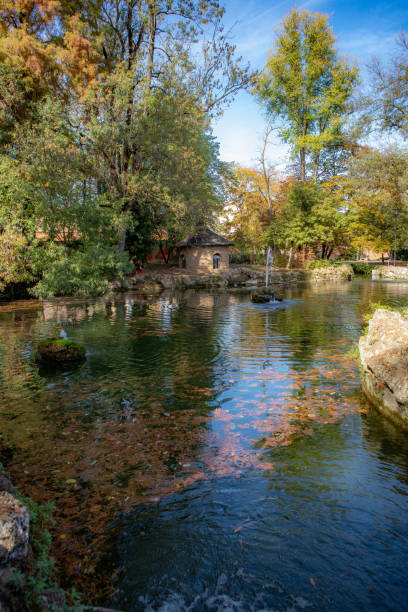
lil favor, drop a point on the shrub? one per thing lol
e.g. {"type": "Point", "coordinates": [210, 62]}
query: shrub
{"type": "Point", "coordinates": [361, 268]}
{"type": "Point", "coordinates": [316, 264]}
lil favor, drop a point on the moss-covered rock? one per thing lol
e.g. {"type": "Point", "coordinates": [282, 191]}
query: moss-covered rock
{"type": "Point", "coordinates": [260, 298]}
{"type": "Point", "coordinates": [59, 350]}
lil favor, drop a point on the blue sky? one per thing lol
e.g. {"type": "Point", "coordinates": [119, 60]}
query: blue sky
{"type": "Point", "coordinates": [363, 29]}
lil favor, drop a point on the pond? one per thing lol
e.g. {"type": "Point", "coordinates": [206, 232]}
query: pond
{"type": "Point", "coordinates": [211, 454]}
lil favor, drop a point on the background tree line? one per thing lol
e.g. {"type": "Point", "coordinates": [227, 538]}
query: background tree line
{"type": "Point", "coordinates": [340, 195]}
{"type": "Point", "coordinates": [106, 146]}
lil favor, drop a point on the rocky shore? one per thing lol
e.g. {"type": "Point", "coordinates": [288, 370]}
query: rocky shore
{"type": "Point", "coordinates": [28, 581]}
{"type": "Point", "coordinates": [390, 273]}
{"type": "Point", "coordinates": [15, 550]}
{"type": "Point", "coordinates": [384, 362]}
{"type": "Point", "coordinates": [329, 273]}
{"type": "Point", "coordinates": [158, 278]}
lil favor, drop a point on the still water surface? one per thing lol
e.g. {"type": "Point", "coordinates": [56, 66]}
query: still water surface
{"type": "Point", "coordinates": [211, 454]}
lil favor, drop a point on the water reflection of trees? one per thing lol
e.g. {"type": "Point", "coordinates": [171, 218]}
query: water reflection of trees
{"type": "Point", "coordinates": [329, 314]}
{"type": "Point", "coordinates": [134, 422]}
{"type": "Point", "coordinates": [387, 441]}
{"type": "Point", "coordinates": [124, 428]}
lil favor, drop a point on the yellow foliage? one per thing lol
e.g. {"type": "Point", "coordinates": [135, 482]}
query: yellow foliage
{"type": "Point", "coordinates": [251, 205]}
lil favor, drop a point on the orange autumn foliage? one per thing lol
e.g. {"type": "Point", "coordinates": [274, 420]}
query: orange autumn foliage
{"type": "Point", "coordinates": [49, 48]}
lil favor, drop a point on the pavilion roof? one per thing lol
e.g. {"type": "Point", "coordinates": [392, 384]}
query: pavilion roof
{"type": "Point", "coordinates": [204, 238]}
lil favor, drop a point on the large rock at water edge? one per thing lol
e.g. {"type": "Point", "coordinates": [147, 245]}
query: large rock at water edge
{"type": "Point", "coordinates": [60, 350]}
{"type": "Point", "coordinates": [384, 360]}
{"type": "Point", "coordinates": [14, 529]}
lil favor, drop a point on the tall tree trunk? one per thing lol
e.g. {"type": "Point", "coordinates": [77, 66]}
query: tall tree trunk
{"type": "Point", "coordinates": [316, 166]}
{"type": "Point", "coordinates": [122, 241]}
{"type": "Point", "coordinates": [266, 172]}
{"type": "Point", "coordinates": [151, 11]}
{"type": "Point", "coordinates": [289, 258]}
{"type": "Point", "coordinates": [302, 159]}
{"type": "Point", "coordinates": [165, 259]}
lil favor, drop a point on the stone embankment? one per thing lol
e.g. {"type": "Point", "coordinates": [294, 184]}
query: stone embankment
{"type": "Point", "coordinates": [384, 360]}
{"type": "Point", "coordinates": [160, 278]}
{"type": "Point", "coordinates": [157, 279]}
{"type": "Point", "coordinates": [328, 273]}
{"type": "Point", "coordinates": [390, 273]}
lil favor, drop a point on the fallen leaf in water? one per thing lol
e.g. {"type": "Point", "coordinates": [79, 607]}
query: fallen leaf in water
{"type": "Point", "coordinates": [312, 582]}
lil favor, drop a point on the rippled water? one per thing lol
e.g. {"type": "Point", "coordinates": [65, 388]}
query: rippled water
{"type": "Point", "coordinates": [211, 454]}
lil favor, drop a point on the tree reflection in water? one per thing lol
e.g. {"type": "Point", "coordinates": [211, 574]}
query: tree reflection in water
{"type": "Point", "coordinates": [175, 390]}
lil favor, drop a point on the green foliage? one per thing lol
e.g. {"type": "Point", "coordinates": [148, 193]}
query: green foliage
{"type": "Point", "coordinates": [363, 269]}
{"type": "Point", "coordinates": [317, 264]}
{"type": "Point", "coordinates": [240, 257]}
{"type": "Point", "coordinates": [306, 88]}
{"type": "Point", "coordinates": [310, 215]}
{"type": "Point", "coordinates": [380, 180]}
{"type": "Point", "coordinates": [105, 136]}
{"type": "Point", "coordinates": [86, 271]}
{"type": "Point", "coordinates": [353, 353]}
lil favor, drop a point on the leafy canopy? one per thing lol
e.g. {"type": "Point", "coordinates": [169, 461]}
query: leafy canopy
{"type": "Point", "coordinates": [305, 87]}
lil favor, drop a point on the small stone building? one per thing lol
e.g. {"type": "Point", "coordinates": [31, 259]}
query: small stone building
{"type": "Point", "coordinates": [204, 251]}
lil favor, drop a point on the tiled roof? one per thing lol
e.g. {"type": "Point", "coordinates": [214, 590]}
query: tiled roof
{"type": "Point", "coordinates": [204, 238]}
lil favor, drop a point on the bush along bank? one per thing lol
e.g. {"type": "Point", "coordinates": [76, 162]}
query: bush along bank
{"type": "Point", "coordinates": [384, 363]}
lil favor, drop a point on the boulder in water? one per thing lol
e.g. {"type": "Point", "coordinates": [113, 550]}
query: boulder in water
{"type": "Point", "coordinates": [264, 297]}
{"type": "Point", "coordinates": [60, 351]}
{"type": "Point", "coordinates": [260, 298]}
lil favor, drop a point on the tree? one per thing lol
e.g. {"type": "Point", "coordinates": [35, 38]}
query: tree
{"type": "Point", "coordinates": [389, 93]}
{"type": "Point", "coordinates": [291, 229]}
{"type": "Point", "coordinates": [248, 208]}
{"type": "Point", "coordinates": [306, 88]}
{"type": "Point", "coordinates": [311, 215]}
{"type": "Point", "coordinates": [53, 232]}
{"type": "Point", "coordinates": [380, 179]}
{"type": "Point", "coordinates": [154, 87]}
{"type": "Point", "coordinates": [330, 216]}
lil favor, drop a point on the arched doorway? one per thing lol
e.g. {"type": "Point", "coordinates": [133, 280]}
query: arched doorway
{"type": "Point", "coordinates": [216, 261]}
